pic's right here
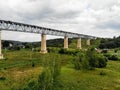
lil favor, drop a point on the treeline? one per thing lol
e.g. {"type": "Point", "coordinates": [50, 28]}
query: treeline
{"type": "Point", "coordinates": [50, 43]}
{"type": "Point", "coordinates": [16, 45]}
{"type": "Point", "coordinates": [110, 43]}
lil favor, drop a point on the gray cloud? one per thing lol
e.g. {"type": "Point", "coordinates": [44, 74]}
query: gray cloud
{"type": "Point", "coordinates": [109, 25]}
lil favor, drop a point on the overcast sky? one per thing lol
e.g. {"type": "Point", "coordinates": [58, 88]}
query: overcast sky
{"type": "Point", "coordinates": [93, 17]}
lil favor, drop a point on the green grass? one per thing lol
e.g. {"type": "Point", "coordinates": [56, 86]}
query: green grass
{"type": "Point", "coordinates": [92, 80]}
{"type": "Point", "coordinates": [18, 71]}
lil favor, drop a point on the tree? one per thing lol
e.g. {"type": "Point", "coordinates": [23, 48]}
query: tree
{"type": "Point", "coordinates": [44, 81]}
{"type": "Point", "coordinates": [110, 43]}
{"type": "Point", "coordinates": [49, 79]}
{"type": "Point", "coordinates": [90, 60]}
{"type": "Point", "coordinates": [91, 56]}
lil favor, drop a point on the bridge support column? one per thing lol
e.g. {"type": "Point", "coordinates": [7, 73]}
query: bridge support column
{"type": "Point", "coordinates": [43, 44]}
{"type": "Point", "coordinates": [1, 55]}
{"type": "Point", "coordinates": [88, 42]}
{"type": "Point", "coordinates": [79, 43]}
{"type": "Point", "coordinates": [65, 42]}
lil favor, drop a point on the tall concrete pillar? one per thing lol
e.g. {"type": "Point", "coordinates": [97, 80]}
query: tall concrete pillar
{"type": "Point", "coordinates": [43, 44]}
{"type": "Point", "coordinates": [65, 42]}
{"type": "Point", "coordinates": [1, 55]}
{"type": "Point", "coordinates": [79, 43]}
{"type": "Point", "coordinates": [88, 42]}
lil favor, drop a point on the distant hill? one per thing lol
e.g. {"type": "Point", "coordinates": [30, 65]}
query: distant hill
{"type": "Point", "coordinates": [50, 43]}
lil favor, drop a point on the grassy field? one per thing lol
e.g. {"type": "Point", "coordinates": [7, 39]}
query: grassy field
{"type": "Point", "coordinates": [93, 80]}
{"type": "Point", "coordinates": [17, 70]}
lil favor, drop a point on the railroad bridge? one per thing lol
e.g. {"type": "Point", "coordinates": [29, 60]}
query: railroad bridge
{"type": "Point", "coordinates": [27, 28]}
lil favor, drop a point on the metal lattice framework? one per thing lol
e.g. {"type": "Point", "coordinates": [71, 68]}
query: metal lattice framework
{"type": "Point", "coordinates": [20, 27]}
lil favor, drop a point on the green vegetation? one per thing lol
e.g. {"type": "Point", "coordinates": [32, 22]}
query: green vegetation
{"type": "Point", "coordinates": [110, 43]}
{"type": "Point", "coordinates": [17, 72]}
{"type": "Point", "coordinates": [113, 54]}
{"type": "Point", "coordinates": [60, 69]}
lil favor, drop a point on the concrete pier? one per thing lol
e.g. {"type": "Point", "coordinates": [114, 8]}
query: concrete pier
{"type": "Point", "coordinates": [65, 42]}
{"type": "Point", "coordinates": [79, 43]}
{"type": "Point", "coordinates": [88, 42]}
{"type": "Point", "coordinates": [1, 55]}
{"type": "Point", "coordinates": [43, 44]}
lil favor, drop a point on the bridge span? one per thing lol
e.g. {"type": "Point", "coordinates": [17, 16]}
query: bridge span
{"type": "Point", "coordinates": [27, 28]}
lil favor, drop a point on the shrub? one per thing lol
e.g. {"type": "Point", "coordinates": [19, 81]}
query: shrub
{"type": "Point", "coordinates": [107, 55]}
{"type": "Point", "coordinates": [85, 63]}
{"type": "Point", "coordinates": [33, 64]}
{"type": "Point", "coordinates": [62, 51]}
{"type": "Point", "coordinates": [81, 62]}
{"type": "Point", "coordinates": [90, 60]}
{"type": "Point", "coordinates": [96, 59]}
{"type": "Point", "coordinates": [102, 73]}
{"type": "Point", "coordinates": [91, 56]}
{"type": "Point", "coordinates": [111, 57]}
{"type": "Point", "coordinates": [2, 78]}
{"type": "Point", "coordinates": [32, 85]}
{"type": "Point", "coordinates": [116, 50]}
{"type": "Point", "coordinates": [77, 62]}
{"type": "Point", "coordinates": [114, 57]}
{"type": "Point", "coordinates": [52, 49]}
{"type": "Point", "coordinates": [44, 81]}
{"type": "Point", "coordinates": [102, 61]}
{"type": "Point", "coordinates": [68, 51]}
{"type": "Point", "coordinates": [49, 78]}
{"type": "Point", "coordinates": [37, 49]}
{"type": "Point", "coordinates": [104, 51]}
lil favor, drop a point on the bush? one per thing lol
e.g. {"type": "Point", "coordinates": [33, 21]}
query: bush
{"type": "Point", "coordinates": [77, 61]}
{"type": "Point", "coordinates": [107, 55]}
{"type": "Point", "coordinates": [116, 50]}
{"type": "Point", "coordinates": [105, 51]}
{"type": "Point", "coordinates": [89, 60]}
{"type": "Point", "coordinates": [85, 63]}
{"type": "Point", "coordinates": [53, 50]}
{"type": "Point", "coordinates": [102, 73]}
{"type": "Point", "coordinates": [68, 51]}
{"type": "Point", "coordinates": [62, 51]}
{"type": "Point", "coordinates": [33, 64]}
{"type": "Point", "coordinates": [96, 59]}
{"type": "Point", "coordinates": [2, 78]}
{"type": "Point", "coordinates": [49, 78]}
{"type": "Point", "coordinates": [111, 57]}
{"type": "Point", "coordinates": [32, 85]}
{"type": "Point", "coordinates": [102, 61]}
{"type": "Point", "coordinates": [114, 57]}
{"type": "Point", "coordinates": [91, 56]}
{"type": "Point", "coordinates": [14, 48]}
{"type": "Point", "coordinates": [44, 81]}
{"type": "Point", "coordinates": [37, 49]}
{"type": "Point", "coordinates": [81, 62]}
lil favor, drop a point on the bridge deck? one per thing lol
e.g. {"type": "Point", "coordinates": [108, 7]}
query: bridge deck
{"type": "Point", "coordinates": [21, 27]}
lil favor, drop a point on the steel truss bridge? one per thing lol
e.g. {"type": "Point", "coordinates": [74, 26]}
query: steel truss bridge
{"type": "Point", "coordinates": [21, 27]}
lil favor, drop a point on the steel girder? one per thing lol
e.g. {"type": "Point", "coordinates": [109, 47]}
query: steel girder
{"type": "Point", "coordinates": [20, 27]}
